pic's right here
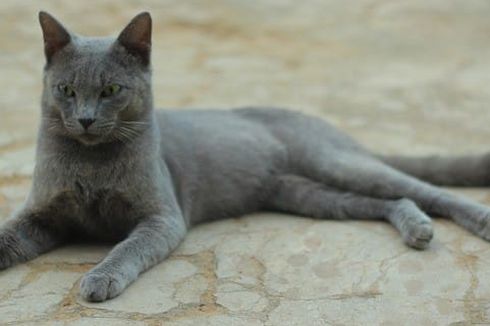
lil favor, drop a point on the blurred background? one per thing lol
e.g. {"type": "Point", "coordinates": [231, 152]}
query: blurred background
{"type": "Point", "coordinates": [400, 76]}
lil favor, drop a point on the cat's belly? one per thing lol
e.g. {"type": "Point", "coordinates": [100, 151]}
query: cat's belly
{"type": "Point", "coordinates": [222, 165]}
{"type": "Point", "coordinates": [227, 187]}
{"type": "Point", "coordinates": [229, 193]}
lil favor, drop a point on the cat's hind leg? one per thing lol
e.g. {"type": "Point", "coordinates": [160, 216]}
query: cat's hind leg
{"type": "Point", "coordinates": [363, 174]}
{"type": "Point", "coordinates": [299, 195]}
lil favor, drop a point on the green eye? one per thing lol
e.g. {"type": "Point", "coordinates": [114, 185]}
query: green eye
{"type": "Point", "coordinates": [110, 90]}
{"type": "Point", "coordinates": [67, 90]}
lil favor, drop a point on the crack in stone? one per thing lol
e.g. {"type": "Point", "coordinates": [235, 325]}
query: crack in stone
{"type": "Point", "coordinates": [474, 311]}
{"type": "Point", "coordinates": [69, 309]}
{"type": "Point", "coordinates": [37, 269]}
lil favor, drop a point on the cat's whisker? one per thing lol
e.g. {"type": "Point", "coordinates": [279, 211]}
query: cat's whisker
{"type": "Point", "coordinates": [131, 130]}
{"type": "Point", "coordinates": [128, 133]}
{"type": "Point", "coordinates": [117, 137]}
{"type": "Point", "coordinates": [134, 126]}
{"type": "Point", "coordinates": [134, 122]}
{"type": "Point", "coordinates": [106, 124]}
{"type": "Point", "coordinates": [105, 128]}
{"type": "Point", "coordinates": [122, 135]}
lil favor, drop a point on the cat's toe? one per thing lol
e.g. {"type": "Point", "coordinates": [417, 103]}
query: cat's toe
{"type": "Point", "coordinates": [419, 236]}
{"type": "Point", "coordinates": [5, 263]}
{"type": "Point", "coordinates": [8, 258]}
{"type": "Point", "coordinates": [98, 287]}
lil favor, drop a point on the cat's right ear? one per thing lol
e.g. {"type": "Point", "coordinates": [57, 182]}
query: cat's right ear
{"type": "Point", "coordinates": [55, 35]}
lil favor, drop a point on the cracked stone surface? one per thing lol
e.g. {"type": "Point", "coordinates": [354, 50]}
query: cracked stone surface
{"type": "Point", "coordinates": [401, 76]}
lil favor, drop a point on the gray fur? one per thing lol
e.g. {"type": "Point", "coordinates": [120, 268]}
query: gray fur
{"type": "Point", "coordinates": [141, 177]}
{"type": "Point", "coordinates": [458, 171]}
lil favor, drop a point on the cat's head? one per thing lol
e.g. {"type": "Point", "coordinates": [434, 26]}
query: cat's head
{"type": "Point", "coordinates": [97, 89]}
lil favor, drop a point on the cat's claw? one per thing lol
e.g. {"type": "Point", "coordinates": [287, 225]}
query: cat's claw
{"type": "Point", "coordinates": [98, 287]}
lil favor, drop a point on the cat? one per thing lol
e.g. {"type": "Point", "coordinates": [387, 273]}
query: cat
{"type": "Point", "coordinates": [109, 167]}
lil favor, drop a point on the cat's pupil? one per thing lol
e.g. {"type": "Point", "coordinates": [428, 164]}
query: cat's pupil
{"type": "Point", "coordinates": [67, 90]}
{"type": "Point", "coordinates": [110, 90]}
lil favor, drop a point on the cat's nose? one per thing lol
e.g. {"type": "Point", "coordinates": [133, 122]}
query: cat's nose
{"type": "Point", "coordinates": [86, 122]}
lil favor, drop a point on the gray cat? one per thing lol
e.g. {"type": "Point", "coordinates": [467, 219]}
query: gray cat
{"type": "Point", "coordinates": [109, 167]}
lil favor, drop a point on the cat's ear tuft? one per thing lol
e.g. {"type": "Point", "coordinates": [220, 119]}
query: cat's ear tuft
{"type": "Point", "coordinates": [55, 35]}
{"type": "Point", "coordinates": [136, 37]}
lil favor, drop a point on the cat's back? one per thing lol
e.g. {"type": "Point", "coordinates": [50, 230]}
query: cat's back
{"type": "Point", "coordinates": [249, 129]}
{"type": "Point", "coordinates": [212, 121]}
{"type": "Point", "coordinates": [296, 129]}
{"type": "Point", "coordinates": [212, 129]}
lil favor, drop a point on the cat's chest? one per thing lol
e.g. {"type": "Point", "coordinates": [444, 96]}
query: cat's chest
{"type": "Point", "coordinates": [91, 190]}
{"type": "Point", "coordinates": [104, 197]}
{"type": "Point", "coordinates": [101, 201]}
{"type": "Point", "coordinates": [104, 213]}
{"type": "Point", "coordinates": [82, 179]}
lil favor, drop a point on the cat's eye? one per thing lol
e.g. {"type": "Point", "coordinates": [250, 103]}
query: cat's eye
{"type": "Point", "coordinates": [110, 90]}
{"type": "Point", "coordinates": [66, 90]}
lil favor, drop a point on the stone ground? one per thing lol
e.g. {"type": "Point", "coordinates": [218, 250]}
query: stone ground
{"type": "Point", "coordinates": [401, 76]}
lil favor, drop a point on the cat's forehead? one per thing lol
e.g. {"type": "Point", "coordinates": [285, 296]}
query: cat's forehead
{"type": "Point", "coordinates": [87, 60]}
{"type": "Point", "coordinates": [92, 44]}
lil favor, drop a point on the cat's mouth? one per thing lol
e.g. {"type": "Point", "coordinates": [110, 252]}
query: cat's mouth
{"type": "Point", "coordinates": [90, 136]}
{"type": "Point", "coordinates": [89, 139]}
{"type": "Point", "coordinates": [93, 137]}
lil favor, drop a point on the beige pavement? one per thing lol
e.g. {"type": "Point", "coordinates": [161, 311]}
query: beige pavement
{"type": "Point", "coordinates": [401, 76]}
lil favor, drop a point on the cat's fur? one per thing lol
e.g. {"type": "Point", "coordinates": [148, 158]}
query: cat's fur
{"type": "Point", "coordinates": [141, 177]}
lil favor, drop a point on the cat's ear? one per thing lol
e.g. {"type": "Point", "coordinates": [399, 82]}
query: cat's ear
{"type": "Point", "coordinates": [136, 37]}
{"type": "Point", "coordinates": [55, 35]}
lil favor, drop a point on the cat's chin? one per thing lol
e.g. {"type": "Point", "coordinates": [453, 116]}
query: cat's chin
{"type": "Point", "coordinates": [90, 140]}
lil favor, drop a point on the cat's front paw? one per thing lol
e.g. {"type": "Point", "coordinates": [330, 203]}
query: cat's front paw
{"type": "Point", "coordinates": [11, 252]}
{"type": "Point", "coordinates": [101, 286]}
{"type": "Point", "coordinates": [6, 259]}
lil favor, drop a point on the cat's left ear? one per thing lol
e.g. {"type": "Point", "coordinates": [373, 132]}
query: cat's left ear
{"type": "Point", "coordinates": [136, 37]}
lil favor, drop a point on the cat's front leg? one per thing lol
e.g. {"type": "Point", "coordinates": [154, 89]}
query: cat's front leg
{"type": "Point", "coordinates": [149, 243]}
{"type": "Point", "coordinates": [25, 236]}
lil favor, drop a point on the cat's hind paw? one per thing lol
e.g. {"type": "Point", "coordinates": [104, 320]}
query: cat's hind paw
{"type": "Point", "coordinates": [98, 287]}
{"type": "Point", "coordinates": [419, 235]}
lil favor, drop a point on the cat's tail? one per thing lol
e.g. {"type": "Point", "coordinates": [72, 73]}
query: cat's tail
{"type": "Point", "coordinates": [458, 171]}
